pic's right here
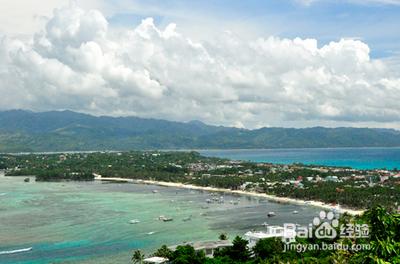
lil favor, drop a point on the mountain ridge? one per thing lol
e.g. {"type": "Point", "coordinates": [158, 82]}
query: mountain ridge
{"type": "Point", "coordinates": [22, 130]}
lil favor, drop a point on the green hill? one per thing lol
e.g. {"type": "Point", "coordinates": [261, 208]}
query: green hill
{"type": "Point", "coordinates": [67, 131]}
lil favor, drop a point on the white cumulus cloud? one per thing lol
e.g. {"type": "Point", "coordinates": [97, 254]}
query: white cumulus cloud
{"type": "Point", "coordinates": [78, 62]}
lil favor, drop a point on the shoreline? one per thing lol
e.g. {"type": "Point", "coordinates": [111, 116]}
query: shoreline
{"type": "Point", "coordinates": [244, 193]}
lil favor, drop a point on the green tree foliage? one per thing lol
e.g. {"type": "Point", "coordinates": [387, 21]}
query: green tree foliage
{"type": "Point", "coordinates": [384, 237]}
{"type": "Point", "coordinates": [238, 252]}
{"type": "Point", "coordinates": [268, 248]}
{"type": "Point", "coordinates": [187, 255]}
{"type": "Point", "coordinates": [223, 236]}
{"type": "Point", "coordinates": [164, 252]}
{"type": "Point", "coordinates": [137, 257]}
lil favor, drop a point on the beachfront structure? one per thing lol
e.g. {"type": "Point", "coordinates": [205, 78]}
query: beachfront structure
{"type": "Point", "coordinates": [208, 247]}
{"type": "Point", "coordinates": [155, 260]}
{"type": "Point", "coordinates": [332, 179]}
{"type": "Point", "coordinates": [272, 231]}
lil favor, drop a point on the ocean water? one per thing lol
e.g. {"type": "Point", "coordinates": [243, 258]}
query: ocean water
{"type": "Point", "coordinates": [358, 158]}
{"type": "Point", "coordinates": [87, 222]}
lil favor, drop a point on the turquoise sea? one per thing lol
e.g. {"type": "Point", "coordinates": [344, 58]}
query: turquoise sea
{"type": "Point", "coordinates": [358, 158]}
{"type": "Point", "coordinates": [88, 222]}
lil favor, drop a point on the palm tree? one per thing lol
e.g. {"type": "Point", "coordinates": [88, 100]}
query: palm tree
{"type": "Point", "coordinates": [223, 236]}
{"type": "Point", "coordinates": [138, 257]}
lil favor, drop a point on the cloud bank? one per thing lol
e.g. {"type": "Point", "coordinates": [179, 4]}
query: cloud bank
{"type": "Point", "coordinates": [79, 62]}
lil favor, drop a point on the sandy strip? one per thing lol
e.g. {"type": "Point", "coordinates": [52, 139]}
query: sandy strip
{"type": "Point", "coordinates": [246, 193]}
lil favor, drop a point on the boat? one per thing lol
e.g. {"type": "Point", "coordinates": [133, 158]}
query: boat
{"type": "Point", "coordinates": [134, 221]}
{"type": "Point", "coordinates": [155, 191]}
{"type": "Point", "coordinates": [271, 214]}
{"type": "Point", "coordinates": [165, 219]}
{"type": "Point", "coordinates": [27, 180]}
{"type": "Point", "coordinates": [295, 212]}
{"type": "Point", "coordinates": [150, 233]}
{"type": "Point", "coordinates": [15, 251]}
{"type": "Point", "coordinates": [208, 201]}
{"type": "Point", "coordinates": [265, 224]}
{"type": "Point", "coordinates": [187, 218]}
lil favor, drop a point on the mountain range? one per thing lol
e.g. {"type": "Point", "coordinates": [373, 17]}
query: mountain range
{"type": "Point", "coordinates": [26, 131]}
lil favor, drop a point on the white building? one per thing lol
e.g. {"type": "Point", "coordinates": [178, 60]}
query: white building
{"type": "Point", "coordinates": [208, 247]}
{"type": "Point", "coordinates": [272, 231]}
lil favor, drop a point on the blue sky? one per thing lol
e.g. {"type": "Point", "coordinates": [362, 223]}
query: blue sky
{"type": "Point", "coordinates": [374, 22]}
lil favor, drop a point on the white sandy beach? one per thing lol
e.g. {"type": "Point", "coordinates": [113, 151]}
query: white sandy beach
{"type": "Point", "coordinates": [212, 189]}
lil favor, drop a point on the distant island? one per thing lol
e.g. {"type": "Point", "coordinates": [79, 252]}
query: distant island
{"type": "Point", "coordinates": [25, 131]}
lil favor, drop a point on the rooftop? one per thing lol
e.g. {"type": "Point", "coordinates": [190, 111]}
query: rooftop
{"type": "Point", "coordinates": [206, 244]}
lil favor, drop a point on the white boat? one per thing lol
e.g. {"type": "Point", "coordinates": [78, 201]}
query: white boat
{"type": "Point", "coordinates": [151, 233]}
{"type": "Point", "coordinates": [271, 214]}
{"type": "Point", "coordinates": [155, 191]}
{"type": "Point", "coordinates": [161, 217]}
{"type": "Point", "coordinates": [295, 212]}
{"type": "Point", "coordinates": [164, 218]}
{"type": "Point", "coordinates": [134, 221]}
{"type": "Point", "coordinates": [15, 251]}
{"type": "Point", "coordinates": [265, 224]}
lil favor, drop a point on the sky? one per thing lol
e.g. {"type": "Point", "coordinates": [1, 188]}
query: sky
{"type": "Point", "coordinates": [287, 63]}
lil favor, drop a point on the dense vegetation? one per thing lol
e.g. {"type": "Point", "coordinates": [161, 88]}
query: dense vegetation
{"type": "Point", "coordinates": [344, 193]}
{"type": "Point", "coordinates": [383, 241]}
{"type": "Point", "coordinates": [136, 165]}
{"type": "Point", "coordinates": [62, 131]}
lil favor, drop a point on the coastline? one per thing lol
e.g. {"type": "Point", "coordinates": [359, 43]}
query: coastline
{"type": "Point", "coordinates": [244, 193]}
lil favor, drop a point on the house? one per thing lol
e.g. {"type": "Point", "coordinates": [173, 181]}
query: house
{"type": "Point", "coordinates": [332, 179]}
{"type": "Point", "coordinates": [396, 176]}
{"type": "Point", "coordinates": [208, 247]}
{"type": "Point", "coordinates": [272, 231]}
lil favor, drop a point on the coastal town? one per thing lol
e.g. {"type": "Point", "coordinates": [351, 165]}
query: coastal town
{"type": "Point", "coordinates": [320, 185]}
{"type": "Point", "coordinates": [356, 196]}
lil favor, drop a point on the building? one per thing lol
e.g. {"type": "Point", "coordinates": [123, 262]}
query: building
{"type": "Point", "coordinates": [332, 179]}
{"type": "Point", "coordinates": [208, 247]}
{"type": "Point", "coordinates": [272, 231]}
